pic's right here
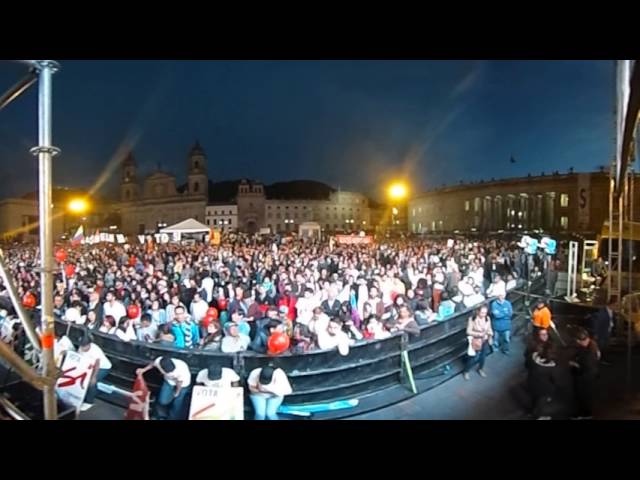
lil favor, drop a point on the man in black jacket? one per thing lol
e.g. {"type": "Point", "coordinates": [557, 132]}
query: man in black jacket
{"type": "Point", "coordinates": [585, 371]}
{"type": "Point", "coordinates": [602, 323]}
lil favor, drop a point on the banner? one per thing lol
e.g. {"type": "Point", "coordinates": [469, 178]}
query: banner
{"type": "Point", "coordinates": [584, 204]}
{"type": "Point", "coordinates": [214, 237]}
{"type": "Point", "coordinates": [210, 403]}
{"type": "Point", "coordinates": [141, 239]}
{"type": "Point", "coordinates": [140, 397]}
{"type": "Point", "coordinates": [354, 240]}
{"type": "Point", "coordinates": [72, 386]}
{"type": "Point", "coordinates": [121, 238]}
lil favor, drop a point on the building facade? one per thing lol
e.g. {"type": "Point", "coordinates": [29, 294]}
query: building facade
{"type": "Point", "coordinates": [223, 217]}
{"type": "Point", "coordinates": [158, 201]}
{"type": "Point", "coordinates": [339, 211]}
{"type": "Point", "coordinates": [572, 202]}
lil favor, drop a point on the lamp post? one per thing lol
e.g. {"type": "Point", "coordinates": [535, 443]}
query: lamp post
{"type": "Point", "coordinates": [397, 192]}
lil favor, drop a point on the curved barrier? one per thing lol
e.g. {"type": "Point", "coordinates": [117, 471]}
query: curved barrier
{"type": "Point", "coordinates": [370, 368]}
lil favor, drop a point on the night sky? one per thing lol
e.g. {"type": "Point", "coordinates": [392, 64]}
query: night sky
{"type": "Point", "coordinates": [351, 124]}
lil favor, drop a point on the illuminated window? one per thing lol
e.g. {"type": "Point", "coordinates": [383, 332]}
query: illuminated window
{"type": "Point", "coordinates": [467, 206]}
{"type": "Point", "coordinates": [564, 222]}
{"type": "Point", "coordinates": [564, 200]}
{"type": "Point", "coordinates": [414, 214]}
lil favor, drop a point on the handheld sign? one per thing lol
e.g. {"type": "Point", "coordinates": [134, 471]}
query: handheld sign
{"type": "Point", "coordinates": [72, 386]}
{"type": "Point", "coordinates": [210, 403]}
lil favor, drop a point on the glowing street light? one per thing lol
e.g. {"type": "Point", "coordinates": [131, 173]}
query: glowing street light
{"type": "Point", "coordinates": [398, 191]}
{"type": "Point", "coordinates": [78, 205]}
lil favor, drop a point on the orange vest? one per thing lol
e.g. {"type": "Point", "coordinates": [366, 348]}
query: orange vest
{"type": "Point", "coordinates": [542, 317]}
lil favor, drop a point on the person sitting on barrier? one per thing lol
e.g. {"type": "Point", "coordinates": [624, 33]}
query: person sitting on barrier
{"type": "Point", "coordinates": [165, 336]}
{"type": "Point", "coordinates": [405, 322]}
{"type": "Point", "coordinates": [319, 322]}
{"type": "Point", "coordinates": [101, 367]}
{"type": "Point", "coordinates": [148, 330]}
{"type": "Point", "coordinates": [261, 340]}
{"type": "Point", "coordinates": [92, 322]}
{"type": "Point", "coordinates": [511, 283]}
{"type": "Point", "coordinates": [501, 314]}
{"type": "Point", "coordinates": [108, 325]}
{"type": "Point", "coordinates": [480, 336]}
{"type": "Point", "coordinates": [268, 386]}
{"type": "Point", "coordinates": [125, 330]}
{"type": "Point", "coordinates": [175, 388]}
{"type": "Point", "coordinates": [585, 371]}
{"type": "Point", "coordinates": [374, 329]}
{"type": "Point", "coordinates": [213, 338]}
{"type": "Point", "coordinates": [217, 376]}
{"type": "Point", "coordinates": [334, 337]}
{"type": "Point", "coordinates": [185, 331]}
{"type": "Point", "coordinates": [234, 341]}
{"type": "Point", "coordinates": [303, 340]}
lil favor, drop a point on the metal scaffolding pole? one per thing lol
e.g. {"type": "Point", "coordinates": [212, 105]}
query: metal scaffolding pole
{"type": "Point", "coordinates": [17, 90]}
{"type": "Point", "coordinates": [45, 152]}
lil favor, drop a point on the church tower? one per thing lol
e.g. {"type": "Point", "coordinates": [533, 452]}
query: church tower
{"type": "Point", "coordinates": [129, 188]}
{"type": "Point", "coordinates": [198, 182]}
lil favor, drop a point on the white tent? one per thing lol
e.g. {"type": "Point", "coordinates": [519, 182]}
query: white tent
{"type": "Point", "coordinates": [310, 230]}
{"type": "Point", "coordinates": [187, 226]}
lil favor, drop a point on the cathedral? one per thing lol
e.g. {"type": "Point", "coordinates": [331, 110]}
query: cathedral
{"type": "Point", "coordinates": [158, 201]}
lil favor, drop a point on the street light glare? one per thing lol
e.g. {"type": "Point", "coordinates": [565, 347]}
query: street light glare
{"type": "Point", "coordinates": [78, 205]}
{"type": "Point", "coordinates": [398, 191]}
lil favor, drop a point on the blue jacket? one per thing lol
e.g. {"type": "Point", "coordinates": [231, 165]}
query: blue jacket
{"type": "Point", "coordinates": [501, 314]}
{"type": "Point", "coordinates": [178, 332]}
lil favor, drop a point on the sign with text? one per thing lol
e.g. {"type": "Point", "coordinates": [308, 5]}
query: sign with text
{"type": "Point", "coordinates": [354, 240]}
{"type": "Point", "coordinates": [584, 185]}
{"type": "Point", "coordinates": [210, 403]}
{"type": "Point", "coordinates": [72, 386]}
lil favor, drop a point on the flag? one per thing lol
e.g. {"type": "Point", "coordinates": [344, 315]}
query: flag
{"type": "Point", "coordinates": [78, 237]}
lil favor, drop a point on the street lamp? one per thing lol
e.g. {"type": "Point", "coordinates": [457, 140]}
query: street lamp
{"type": "Point", "coordinates": [397, 193]}
{"type": "Point", "coordinates": [78, 205]}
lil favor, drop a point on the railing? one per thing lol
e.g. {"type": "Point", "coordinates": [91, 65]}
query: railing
{"type": "Point", "coordinates": [318, 376]}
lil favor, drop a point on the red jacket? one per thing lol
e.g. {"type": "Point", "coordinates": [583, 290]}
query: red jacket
{"type": "Point", "coordinates": [289, 302]}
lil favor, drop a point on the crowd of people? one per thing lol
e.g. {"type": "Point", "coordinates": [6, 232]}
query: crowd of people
{"type": "Point", "coordinates": [235, 296]}
{"type": "Point", "coordinates": [239, 295]}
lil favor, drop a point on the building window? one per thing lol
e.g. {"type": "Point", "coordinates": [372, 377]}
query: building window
{"type": "Point", "coordinates": [278, 207]}
{"type": "Point", "coordinates": [208, 222]}
{"type": "Point", "coordinates": [215, 221]}
{"type": "Point", "coordinates": [215, 212]}
{"type": "Point", "coordinates": [564, 200]}
{"type": "Point", "coordinates": [413, 212]}
{"type": "Point", "coordinates": [270, 227]}
{"type": "Point", "coordinates": [269, 215]}
{"type": "Point", "coordinates": [196, 186]}
{"type": "Point", "coordinates": [287, 207]}
{"type": "Point", "coordinates": [250, 205]}
{"type": "Point", "coordinates": [296, 207]}
{"type": "Point", "coordinates": [269, 207]}
{"type": "Point", "coordinates": [304, 208]}
{"type": "Point", "coordinates": [467, 205]}
{"type": "Point", "coordinates": [335, 227]}
{"type": "Point", "coordinates": [564, 222]}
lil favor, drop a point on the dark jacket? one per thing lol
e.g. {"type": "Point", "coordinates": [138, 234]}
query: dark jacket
{"type": "Point", "coordinates": [333, 310]}
{"type": "Point", "coordinates": [601, 324]}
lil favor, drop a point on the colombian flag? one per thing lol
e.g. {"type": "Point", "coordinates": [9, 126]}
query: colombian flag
{"type": "Point", "coordinates": [78, 237]}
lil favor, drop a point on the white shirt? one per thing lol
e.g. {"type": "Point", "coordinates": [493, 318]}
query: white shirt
{"type": "Point", "coordinates": [207, 285]}
{"type": "Point", "coordinates": [180, 374]}
{"type": "Point", "coordinates": [117, 311]}
{"type": "Point", "coordinates": [60, 346]}
{"type": "Point", "coordinates": [328, 342]}
{"type": "Point", "coordinates": [320, 324]}
{"type": "Point", "coordinates": [279, 385]}
{"type": "Point", "coordinates": [231, 344]}
{"type": "Point", "coordinates": [199, 310]}
{"type": "Point", "coordinates": [304, 308]}
{"type": "Point", "coordinates": [228, 377]}
{"type": "Point", "coordinates": [95, 353]}
{"type": "Point", "coordinates": [130, 334]}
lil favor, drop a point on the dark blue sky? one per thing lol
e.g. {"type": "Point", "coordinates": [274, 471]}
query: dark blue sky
{"type": "Point", "coordinates": [351, 124]}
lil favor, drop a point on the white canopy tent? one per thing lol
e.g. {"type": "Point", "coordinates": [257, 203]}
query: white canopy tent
{"type": "Point", "coordinates": [310, 230]}
{"type": "Point", "coordinates": [189, 226]}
